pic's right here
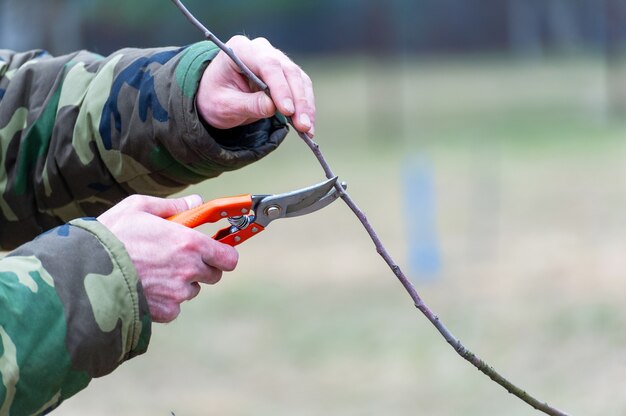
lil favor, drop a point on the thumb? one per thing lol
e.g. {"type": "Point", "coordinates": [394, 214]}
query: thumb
{"type": "Point", "coordinates": [253, 105]}
{"type": "Point", "coordinates": [167, 207]}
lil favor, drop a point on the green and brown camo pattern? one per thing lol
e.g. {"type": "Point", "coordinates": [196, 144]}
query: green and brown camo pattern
{"type": "Point", "coordinates": [78, 133]}
{"type": "Point", "coordinates": [70, 320]}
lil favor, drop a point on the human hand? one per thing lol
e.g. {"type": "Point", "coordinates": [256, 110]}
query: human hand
{"type": "Point", "coordinates": [171, 260]}
{"type": "Point", "coordinates": [226, 98]}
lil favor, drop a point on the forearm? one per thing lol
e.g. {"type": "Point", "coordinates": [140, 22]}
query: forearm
{"type": "Point", "coordinates": [71, 308]}
{"type": "Point", "coordinates": [95, 130]}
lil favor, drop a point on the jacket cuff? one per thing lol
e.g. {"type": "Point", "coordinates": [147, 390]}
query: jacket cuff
{"type": "Point", "coordinates": [124, 290]}
{"type": "Point", "coordinates": [220, 150]}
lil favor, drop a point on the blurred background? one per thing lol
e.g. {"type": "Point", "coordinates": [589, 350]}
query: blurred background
{"type": "Point", "coordinates": [485, 141]}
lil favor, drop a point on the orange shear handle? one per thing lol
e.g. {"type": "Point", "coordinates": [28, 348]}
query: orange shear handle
{"type": "Point", "coordinates": [214, 210]}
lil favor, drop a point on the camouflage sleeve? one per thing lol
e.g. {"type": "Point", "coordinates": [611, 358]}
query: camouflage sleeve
{"type": "Point", "coordinates": [71, 309]}
{"type": "Point", "coordinates": [80, 132]}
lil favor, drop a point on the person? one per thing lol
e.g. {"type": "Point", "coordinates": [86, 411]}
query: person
{"type": "Point", "coordinates": [86, 136]}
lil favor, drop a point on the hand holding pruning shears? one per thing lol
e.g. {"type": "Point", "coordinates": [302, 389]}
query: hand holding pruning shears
{"type": "Point", "coordinates": [248, 215]}
{"type": "Point", "coordinates": [171, 261]}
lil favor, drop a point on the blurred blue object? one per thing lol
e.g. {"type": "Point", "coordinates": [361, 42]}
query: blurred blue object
{"type": "Point", "coordinates": [420, 222]}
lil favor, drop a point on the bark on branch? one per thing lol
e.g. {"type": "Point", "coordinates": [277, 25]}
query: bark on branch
{"type": "Point", "coordinates": [380, 248]}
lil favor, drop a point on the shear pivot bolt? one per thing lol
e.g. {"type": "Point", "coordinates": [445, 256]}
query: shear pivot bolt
{"type": "Point", "coordinates": [224, 214]}
{"type": "Point", "coordinates": [272, 212]}
{"type": "Point", "coordinates": [244, 211]}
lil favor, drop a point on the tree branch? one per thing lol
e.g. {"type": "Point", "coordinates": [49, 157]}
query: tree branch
{"type": "Point", "coordinates": [380, 248]}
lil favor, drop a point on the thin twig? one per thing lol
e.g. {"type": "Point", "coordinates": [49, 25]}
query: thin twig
{"type": "Point", "coordinates": [380, 248]}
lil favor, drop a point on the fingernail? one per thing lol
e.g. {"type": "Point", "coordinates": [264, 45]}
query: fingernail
{"type": "Point", "coordinates": [305, 120]}
{"type": "Point", "coordinates": [193, 201]}
{"type": "Point", "coordinates": [288, 105]}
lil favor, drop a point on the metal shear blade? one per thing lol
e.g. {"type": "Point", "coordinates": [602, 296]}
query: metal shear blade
{"type": "Point", "coordinates": [296, 203]}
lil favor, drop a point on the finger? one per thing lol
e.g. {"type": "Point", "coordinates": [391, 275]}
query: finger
{"type": "Point", "coordinates": [280, 89]}
{"type": "Point", "coordinates": [253, 106]}
{"type": "Point", "coordinates": [268, 63]}
{"type": "Point", "coordinates": [161, 207]}
{"type": "Point", "coordinates": [193, 200]}
{"type": "Point", "coordinates": [195, 290]}
{"type": "Point", "coordinates": [220, 256]}
{"type": "Point", "coordinates": [235, 108]}
{"type": "Point", "coordinates": [163, 313]}
{"type": "Point", "coordinates": [302, 90]}
{"type": "Point", "coordinates": [310, 99]}
{"type": "Point", "coordinates": [211, 275]}
{"type": "Point", "coordinates": [182, 292]}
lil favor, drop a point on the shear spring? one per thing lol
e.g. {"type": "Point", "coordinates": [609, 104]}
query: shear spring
{"type": "Point", "coordinates": [241, 222]}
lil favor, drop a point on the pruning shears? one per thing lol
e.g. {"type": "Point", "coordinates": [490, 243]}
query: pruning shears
{"type": "Point", "coordinates": [248, 214]}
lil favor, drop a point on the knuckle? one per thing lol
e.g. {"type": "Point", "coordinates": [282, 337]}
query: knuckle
{"type": "Point", "coordinates": [197, 269]}
{"type": "Point", "coordinates": [137, 202]}
{"type": "Point", "coordinates": [303, 104]}
{"type": "Point", "coordinates": [186, 274]}
{"type": "Point", "coordinates": [188, 245]}
{"type": "Point", "coordinates": [254, 106]}
{"type": "Point", "coordinates": [238, 40]}
{"type": "Point", "coordinates": [261, 41]}
{"type": "Point", "coordinates": [263, 106]}
{"type": "Point", "coordinates": [183, 244]}
{"type": "Point", "coordinates": [305, 107]}
{"type": "Point", "coordinates": [293, 70]}
{"type": "Point", "coordinates": [271, 62]}
{"type": "Point", "coordinates": [180, 205]}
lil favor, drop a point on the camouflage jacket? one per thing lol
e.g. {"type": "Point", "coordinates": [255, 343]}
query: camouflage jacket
{"type": "Point", "coordinates": [78, 133]}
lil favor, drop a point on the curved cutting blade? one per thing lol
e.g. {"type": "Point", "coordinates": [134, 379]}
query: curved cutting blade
{"type": "Point", "coordinates": [296, 203]}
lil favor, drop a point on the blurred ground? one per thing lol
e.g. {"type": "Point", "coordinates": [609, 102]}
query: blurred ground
{"type": "Point", "coordinates": [530, 186]}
